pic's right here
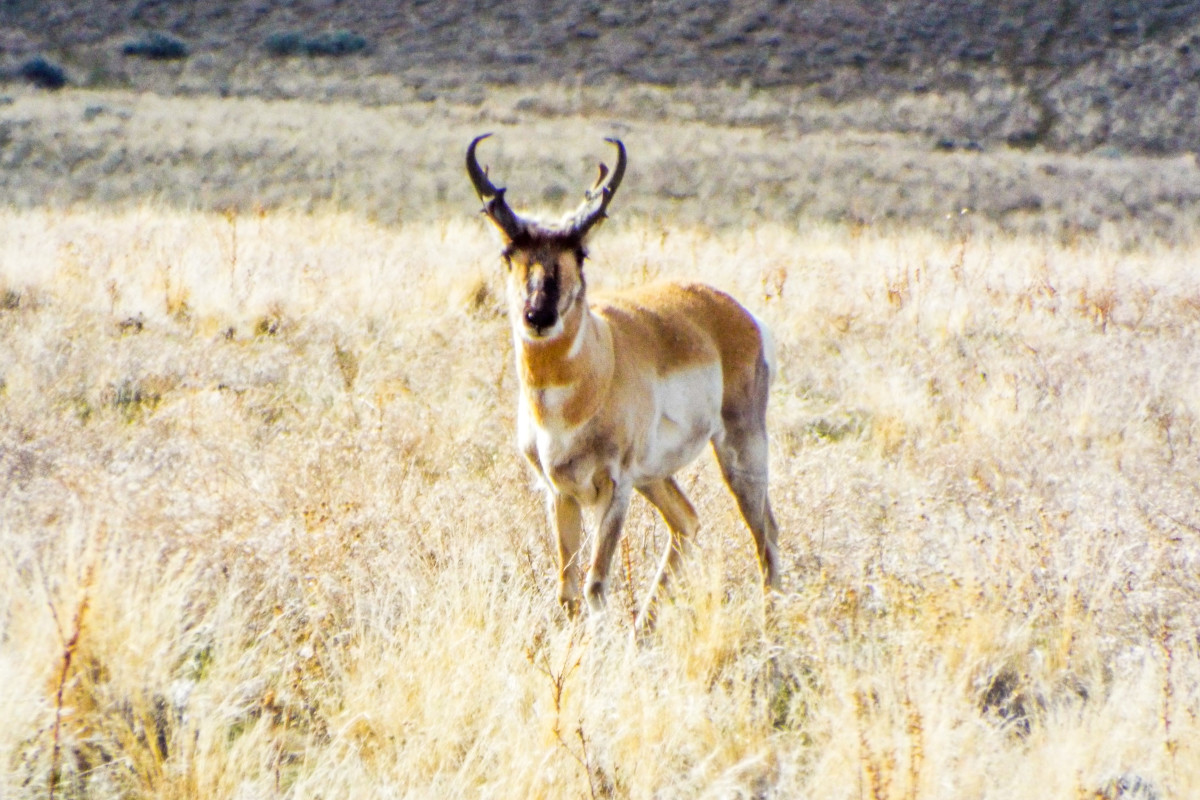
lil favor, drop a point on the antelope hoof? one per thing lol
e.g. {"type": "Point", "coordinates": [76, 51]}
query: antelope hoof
{"type": "Point", "coordinates": [595, 596]}
{"type": "Point", "coordinates": [643, 627]}
{"type": "Point", "coordinates": [569, 600]}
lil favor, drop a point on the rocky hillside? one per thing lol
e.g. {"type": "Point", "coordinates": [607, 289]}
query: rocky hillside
{"type": "Point", "coordinates": [1071, 74]}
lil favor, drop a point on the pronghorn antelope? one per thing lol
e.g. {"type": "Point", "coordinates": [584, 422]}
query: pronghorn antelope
{"type": "Point", "coordinates": [619, 394]}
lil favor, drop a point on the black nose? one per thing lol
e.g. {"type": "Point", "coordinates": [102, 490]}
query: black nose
{"type": "Point", "coordinates": [539, 315]}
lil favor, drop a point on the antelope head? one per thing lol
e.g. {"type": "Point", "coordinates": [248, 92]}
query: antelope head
{"type": "Point", "coordinates": [544, 263]}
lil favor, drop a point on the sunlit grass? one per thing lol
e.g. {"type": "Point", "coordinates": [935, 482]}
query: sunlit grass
{"type": "Point", "coordinates": [265, 532]}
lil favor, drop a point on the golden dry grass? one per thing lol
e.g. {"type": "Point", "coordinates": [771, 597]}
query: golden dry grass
{"type": "Point", "coordinates": [264, 531]}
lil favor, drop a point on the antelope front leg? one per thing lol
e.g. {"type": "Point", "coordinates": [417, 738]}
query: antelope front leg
{"type": "Point", "coordinates": [681, 519]}
{"type": "Point", "coordinates": [568, 525]}
{"type": "Point", "coordinates": [614, 500]}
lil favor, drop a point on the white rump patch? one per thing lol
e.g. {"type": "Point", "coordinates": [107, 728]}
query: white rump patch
{"type": "Point", "coordinates": [768, 345]}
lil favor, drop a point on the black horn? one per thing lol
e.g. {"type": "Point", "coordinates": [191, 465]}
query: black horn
{"type": "Point", "coordinates": [596, 200]}
{"type": "Point", "coordinates": [494, 204]}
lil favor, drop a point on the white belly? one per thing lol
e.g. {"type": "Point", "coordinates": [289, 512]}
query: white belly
{"type": "Point", "coordinates": [687, 413]}
{"type": "Point", "coordinates": [668, 428]}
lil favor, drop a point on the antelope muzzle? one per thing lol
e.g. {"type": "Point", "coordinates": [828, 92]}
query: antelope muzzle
{"type": "Point", "coordinates": [541, 309]}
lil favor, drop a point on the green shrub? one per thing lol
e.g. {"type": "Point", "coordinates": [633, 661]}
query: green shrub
{"type": "Point", "coordinates": [332, 44]}
{"type": "Point", "coordinates": [289, 43]}
{"type": "Point", "coordinates": [337, 43]}
{"type": "Point", "coordinates": [157, 46]}
{"type": "Point", "coordinates": [43, 74]}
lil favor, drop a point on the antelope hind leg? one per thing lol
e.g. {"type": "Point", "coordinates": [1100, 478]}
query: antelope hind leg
{"type": "Point", "coordinates": [742, 454]}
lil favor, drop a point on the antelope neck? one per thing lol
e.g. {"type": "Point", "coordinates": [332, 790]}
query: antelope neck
{"type": "Point", "coordinates": [565, 377]}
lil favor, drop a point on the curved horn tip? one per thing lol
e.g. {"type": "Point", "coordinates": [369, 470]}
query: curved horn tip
{"type": "Point", "coordinates": [479, 175]}
{"type": "Point", "coordinates": [617, 143]}
{"type": "Point", "coordinates": [621, 156]}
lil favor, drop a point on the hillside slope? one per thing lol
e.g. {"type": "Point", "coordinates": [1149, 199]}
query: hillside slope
{"type": "Point", "coordinates": [1067, 74]}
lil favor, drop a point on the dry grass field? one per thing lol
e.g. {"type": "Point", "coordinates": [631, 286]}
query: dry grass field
{"type": "Point", "coordinates": [264, 532]}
